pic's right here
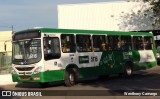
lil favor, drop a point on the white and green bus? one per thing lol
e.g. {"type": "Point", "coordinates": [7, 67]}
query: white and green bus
{"type": "Point", "coordinates": [47, 55]}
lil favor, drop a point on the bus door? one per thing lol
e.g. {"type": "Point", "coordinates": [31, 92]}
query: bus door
{"type": "Point", "coordinates": [51, 50]}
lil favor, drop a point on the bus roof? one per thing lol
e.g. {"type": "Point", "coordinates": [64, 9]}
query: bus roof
{"type": "Point", "coordinates": [76, 31]}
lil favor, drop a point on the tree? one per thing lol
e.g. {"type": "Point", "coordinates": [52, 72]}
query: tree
{"type": "Point", "coordinates": [146, 18]}
{"type": "Point", "coordinates": [155, 7]}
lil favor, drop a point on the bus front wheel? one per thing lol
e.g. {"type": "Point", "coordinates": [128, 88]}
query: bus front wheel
{"type": "Point", "coordinates": [70, 78]}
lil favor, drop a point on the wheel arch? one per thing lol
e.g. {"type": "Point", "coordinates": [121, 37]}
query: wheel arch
{"type": "Point", "coordinates": [130, 63]}
{"type": "Point", "coordinates": [128, 68]}
{"type": "Point", "coordinates": [74, 67]}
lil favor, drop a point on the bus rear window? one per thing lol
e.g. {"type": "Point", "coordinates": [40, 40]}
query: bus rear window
{"type": "Point", "coordinates": [148, 43]}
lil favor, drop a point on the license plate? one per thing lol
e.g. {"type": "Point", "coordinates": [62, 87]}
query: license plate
{"type": "Point", "coordinates": [24, 78]}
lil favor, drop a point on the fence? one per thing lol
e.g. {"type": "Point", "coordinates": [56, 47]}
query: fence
{"type": "Point", "coordinates": [5, 62]}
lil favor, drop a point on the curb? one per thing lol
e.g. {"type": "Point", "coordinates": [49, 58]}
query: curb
{"type": "Point", "coordinates": [6, 79]}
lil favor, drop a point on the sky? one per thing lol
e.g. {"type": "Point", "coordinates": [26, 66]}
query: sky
{"type": "Point", "coordinates": [26, 14]}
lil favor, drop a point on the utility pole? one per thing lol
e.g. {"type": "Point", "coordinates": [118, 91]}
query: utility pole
{"type": "Point", "coordinates": [12, 29]}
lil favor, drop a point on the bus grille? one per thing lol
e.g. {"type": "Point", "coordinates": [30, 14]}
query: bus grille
{"type": "Point", "coordinates": [24, 68]}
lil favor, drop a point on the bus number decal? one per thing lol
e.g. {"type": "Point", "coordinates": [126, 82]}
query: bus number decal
{"type": "Point", "coordinates": [94, 59]}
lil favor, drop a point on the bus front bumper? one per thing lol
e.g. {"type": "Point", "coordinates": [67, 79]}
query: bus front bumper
{"type": "Point", "coordinates": [27, 78]}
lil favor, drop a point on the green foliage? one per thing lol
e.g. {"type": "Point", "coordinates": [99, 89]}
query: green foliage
{"type": "Point", "coordinates": [155, 5]}
{"type": "Point", "coordinates": [151, 13]}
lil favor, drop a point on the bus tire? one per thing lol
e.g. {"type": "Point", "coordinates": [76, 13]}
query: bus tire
{"type": "Point", "coordinates": [70, 77]}
{"type": "Point", "coordinates": [44, 85]}
{"type": "Point", "coordinates": [128, 70]}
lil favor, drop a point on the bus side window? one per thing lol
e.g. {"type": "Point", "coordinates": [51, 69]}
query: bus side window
{"type": "Point", "coordinates": [126, 43]}
{"type": "Point", "coordinates": [148, 43]}
{"type": "Point", "coordinates": [99, 43]}
{"type": "Point", "coordinates": [138, 43]}
{"type": "Point", "coordinates": [115, 42]}
{"type": "Point", "coordinates": [51, 48]}
{"type": "Point", "coordinates": [68, 43]}
{"type": "Point", "coordinates": [83, 43]}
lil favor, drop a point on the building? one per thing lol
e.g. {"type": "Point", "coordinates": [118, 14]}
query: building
{"type": "Point", "coordinates": [112, 16]}
{"type": "Point", "coordinates": [5, 51]}
{"type": "Point", "coordinates": [5, 40]}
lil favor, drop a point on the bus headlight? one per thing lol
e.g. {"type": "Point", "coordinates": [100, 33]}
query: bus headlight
{"type": "Point", "coordinates": [37, 70]}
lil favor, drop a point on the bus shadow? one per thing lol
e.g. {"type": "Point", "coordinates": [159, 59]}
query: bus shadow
{"type": "Point", "coordinates": [138, 81]}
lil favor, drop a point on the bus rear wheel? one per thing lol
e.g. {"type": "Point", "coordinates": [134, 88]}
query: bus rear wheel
{"type": "Point", "coordinates": [70, 78]}
{"type": "Point", "coordinates": [128, 70]}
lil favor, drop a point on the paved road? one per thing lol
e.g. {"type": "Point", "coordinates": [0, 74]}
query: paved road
{"type": "Point", "coordinates": [114, 87]}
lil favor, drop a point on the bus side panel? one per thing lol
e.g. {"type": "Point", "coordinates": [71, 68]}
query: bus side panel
{"type": "Point", "coordinates": [144, 59]}
{"type": "Point", "coordinates": [53, 75]}
{"type": "Point", "coordinates": [110, 63]}
{"type": "Point", "coordinates": [88, 72]}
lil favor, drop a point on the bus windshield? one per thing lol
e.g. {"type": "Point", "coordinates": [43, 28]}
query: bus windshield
{"type": "Point", "coordinates": [26, 52]}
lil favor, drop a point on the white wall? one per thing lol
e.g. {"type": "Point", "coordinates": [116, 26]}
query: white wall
{"type": "Point", "coordinates": [115, 16]}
